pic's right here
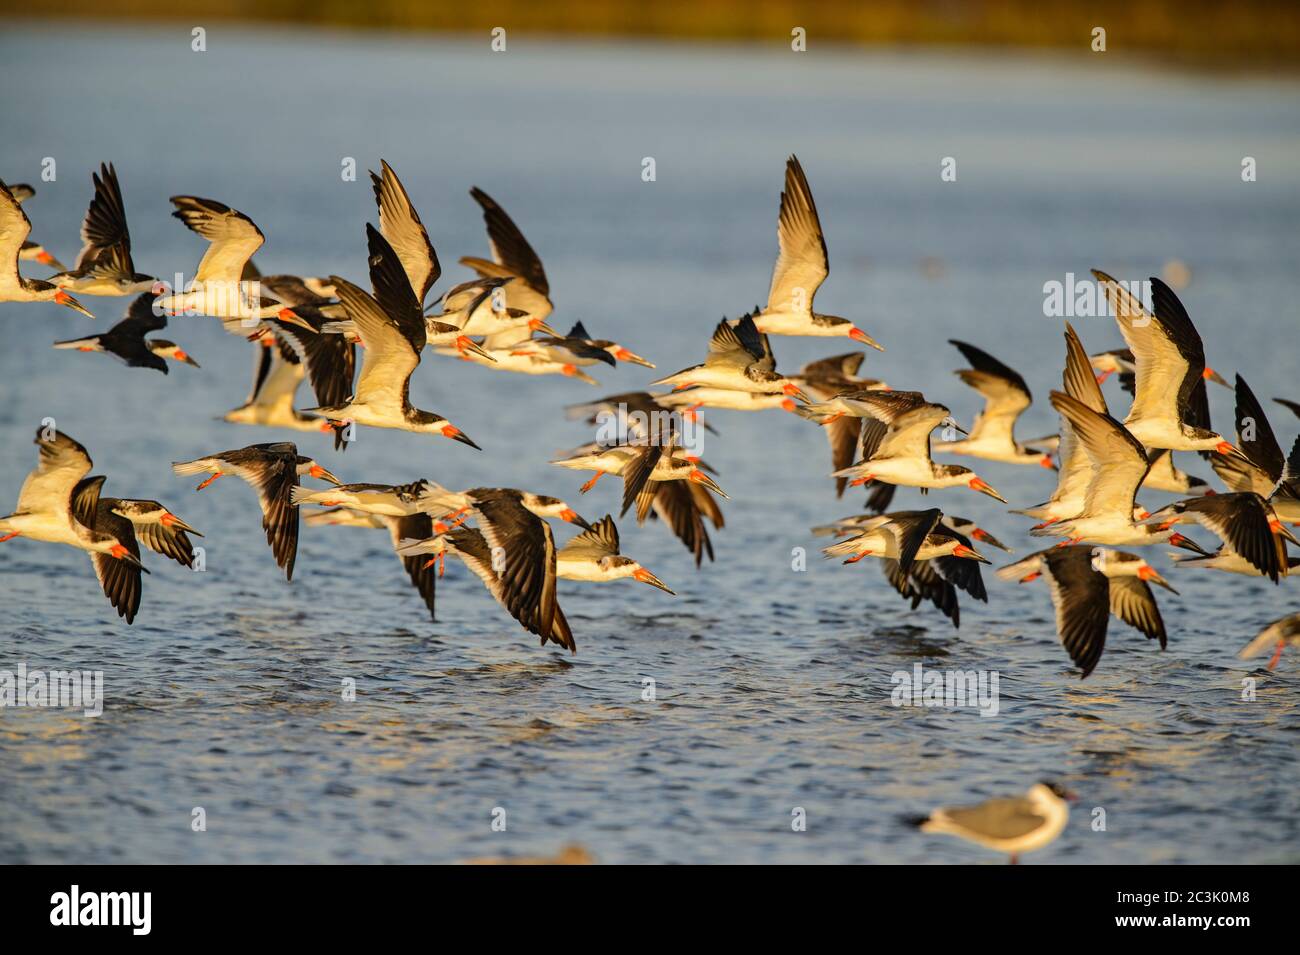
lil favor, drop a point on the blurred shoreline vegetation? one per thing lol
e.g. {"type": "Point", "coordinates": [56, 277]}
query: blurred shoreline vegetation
{"type": "Point", "coordinates": [1252, 33]}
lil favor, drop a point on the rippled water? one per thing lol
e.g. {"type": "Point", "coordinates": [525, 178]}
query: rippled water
{"type": "Point", "coordinates": [773, 685]}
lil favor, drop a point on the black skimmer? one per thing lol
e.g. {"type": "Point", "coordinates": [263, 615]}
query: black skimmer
{"type": "Point", "coordinates": [1254, 539]}
{"type": "Point", "coordinates": [593, 555]}
{"type": "Point", "coordinates": [801, 268]}
{"type": "Point", "coordinates": [1012, 825]}
{"type": "Point", "coordinates": [740, 359]}
{"type": "Point", "coordinates": [104, 265]}
{"type": "Point", "coordinates": [423, 575]}
{"type": "Point", "coordinates": [441, 502]}
{"type": "Point", "coordinates": [683, 506]}
{"type": "Point", "coordinates": [382, 500]}
{"type": "Point", "coordinates": [401, 227]}
{"type": "Point", "coordinates": [400, 224]}
{"type": "Point", "coordinates": [521, 357]}
{"type": "Point", "coordinates": [33, 251]}
{"type": "Point", "coordinates": [513, 553]}
{"type": "Point", "coordinates": [1006, 396]}
{"type": "Point", "coordinates": [513, 258]}
{"type": "Point", "coordinates": [14, 229]}
{"type": "Point", "coordinates": [1121, 361]}
{"type": "Point", "coordinates": [391, 325]}
{"type": "Point", "coordinates": [277, 373]}
{"type": "Point", "coordinates": [155, 526]}
{"type": "Point", "coordinates": [638, 464]}
{"type": "Point", "coordinates": [56, 505]}
{"type": "Point", "coordinates": [329, 361]}
{"type": "Point", "coordinates": [126, 340]}
{"type": "Point", "coordinates": [1261, 467]}
{"type": "Point", "coordinates": [938, 580]}
{"type": "Point", "coordinates": [579, 348]}
{"type": "Point", "coordinates": [481, 307]}
{"type": "Point", "coordinates": [695, 397]}
{"type": "Point", "coordinates": [219, 287]}
{"type": "Point", "coordinates": [1278, 634]}
{"type": "Point", "coordinates": [896, 450]}
{"type": "Point", "coordinates": [905, 537]}
{"type": "Point", "coordinates": [1170, 409]}
{"type": "Point", "coordinates": [823, 380]}
{"type": "Point", "coordinates": [131, 522]}
{"type": "Point", "coordinates": [961, 525]}
{"type": "Point", "coordinates": [1074, 465]}
{"type": "Point", "coordinates": [273, 471]}
{"type": "Point", "coordinates": [1089, 583]}
{"type": "Point", "coordinates": [1119, 466]}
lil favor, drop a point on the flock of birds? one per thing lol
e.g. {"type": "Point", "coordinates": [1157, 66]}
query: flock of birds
{"type": "Point", "coordinates": [880, 437]}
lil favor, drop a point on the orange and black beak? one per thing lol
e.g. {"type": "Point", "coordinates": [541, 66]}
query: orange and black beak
{"type": "Point", "coordinates": [646, 577]}
{"type": "Point", "coordinates": [858, 335]}
{"type": "Point", "coordinates": [983, 486]}
{"type": "Point", "coordinates": [699, 477]}
{"type": "Point", "coordinates": [453, 432]}
{"type": "Point", "coordinates": [293, 318]}
{"type": "Point", "coordinates": [1151, 575]}
{"type": "Point", "coordinates": [63, 298]}
{"type": "Point", "coordinates": [573, 517]}
{"type": "Point", "coordinates": [321, 474]}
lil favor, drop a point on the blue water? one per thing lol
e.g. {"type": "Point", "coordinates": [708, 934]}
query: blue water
{"type": "Point", "coordinates": [772, 684]}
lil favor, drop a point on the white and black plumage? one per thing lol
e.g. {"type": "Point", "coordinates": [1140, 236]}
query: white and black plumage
{"type": "Point", "coordinates": [802, 265]}
{"type": "Point", "coordinates": [1006, 396]}
{"type": "Point", "coordinates": [15, 227]}
{"type": "Point", "coordinates": [825, 378]}
{"type": "Point", "coordinates": [104, 265]}
{"type": "Point", "coordinates": [1011, 825]}
{"type": "Point", "coordinates": [273, 471]}
{"type": "Point", "coordinates": [1169, 409]}
{"type": "Point", "coordinates": [593, 555]}
{"type": "Point", "coordinates": [1254, 539]}
{"type": "Point", "coordinates": [514, 258]}
{"type": "Point", "coordinates": [740, 359]}
{"type": "Point", "coordinates": [400, 225]}
{"type": "Point", "coordinates": [1088, 584]}
{"type": "Point", "coordinates": [58, 505]}
{"type": "Point", "coordinates": [1119, 466]}
{"type": "Point", "coordinates": [894, 447]}
{"type": "Point", "coordinates": [961, 525]}
{"type": "Point", "coordinates": [938, 579]}
{"type": "Point", "coordinates": [219, 287]}
{"type": "Point", "coordinates": [1074, 465]}
{"type": "Point", "coordinates": [639, 464]}
{"type": "Point", "coordinates": [328, 361]}
{"type": "Point", "coordinates": [513, 553]}
{"type": "Point", "coordinates": [391, 326]}
{"type": "Point", "coordinates": [905, 537]}
{"type": "Point", "coordinates": [126, 340]}
{"type": "Point", "coordinates": [1279, 634]}
{"type": "Point", "coordinates": [1261, 467]}
{"type": "Point", "coordinates": [578, 347]}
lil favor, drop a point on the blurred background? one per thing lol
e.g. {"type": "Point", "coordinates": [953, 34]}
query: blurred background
{"type": "Point", "coordinates": [1254, 33]}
